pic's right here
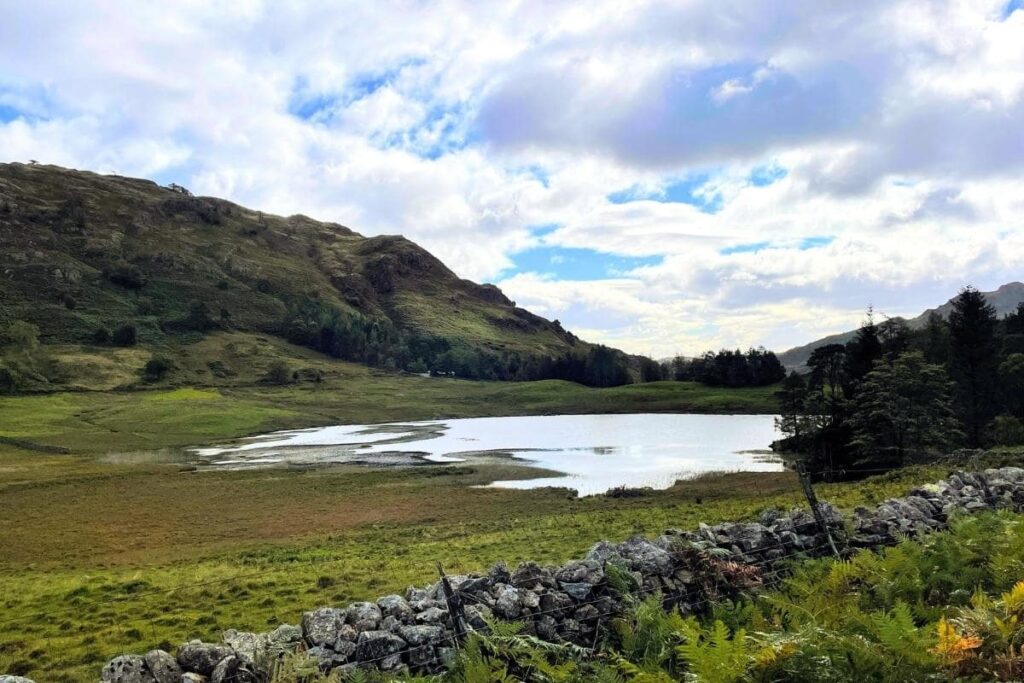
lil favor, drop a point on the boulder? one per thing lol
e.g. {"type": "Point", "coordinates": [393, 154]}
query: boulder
{"type": "Point", "coordinates": [395, 606]}
{"type": "Point", "coordinates": [377, 645]}
{"type": "Point", "coordinates": [162, 666]}
{"type": "Point", "coordinates": [507, 603]}
{"type": "Point", "coordinates": [126, 669]}
{"type": "Point", "coordinates": [422, 635]}
{"type": "Point", "coordinates": [645, 557]}
{"type": "Point", "coordinates": [14, 679]}
{"type": "Point", "coordinates": [202, 658]}
{"type": "Point", "coordinates": [234, 669]}
{"type": "Point", "coordinates": [577, 591]}
{"type": "Point", "coordinates": [251, 645]}
{"type": "Point", "coordinates": [363, 616]}
{"type": "Point", "coordinates": [433, 615]}
{"type": "Point", "coordinates": [321, 626]}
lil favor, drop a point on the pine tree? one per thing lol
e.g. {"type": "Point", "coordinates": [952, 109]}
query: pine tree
{"type": "Point", "coordinates": [973, 361]}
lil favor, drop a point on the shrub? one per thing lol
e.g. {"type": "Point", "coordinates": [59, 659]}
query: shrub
{"type": "Point", "coordinates": [126, 275]}
{"type": "Point", "coordinates": [278, 373]}
{"type": "Point", "coordinates": [101, 336]}
{"type": "Point", "coordinates": [125, 335]}
{"type": "Point", "coordinates": [157, 368]}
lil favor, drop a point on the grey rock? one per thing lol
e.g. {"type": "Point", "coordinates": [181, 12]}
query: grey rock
{"type": "Point", "coordinates": [577, 591]}
{"type": "Point", "coordinates": [507, 603]}
{"type": "Point", "coordinates": [233, 669]}
{"type": "Point", "coordinates": [422, 635]}
{"type": "Point", "coordinates": [645, 557]}
{"type": "Point", "coordinates": [374, 645]}
{"type": "Point", "coordinates": [434, 615]}
{"type": "Point", "coordinates": [202, 658]}
{"type": "Point", "coordinates": [252, 645]}
{"type": "Point", "coordinates": [547, 628]}
{"type": "Point", "coordinates": [285, 635]}
{"type": "Point", "coordinates": [395, 606]}
{"type": "Point", "coordinates": [363, 616]}
{"type": "Point", "coordinates": [320, 627]}
{"type": "Point", "coordinates": [126, 669]}
{"type": "Point", "coordinates": [190, 677]}
{"type": "Point", "coordinates": [14, 679]}
{"type": "Point", "coordinates": [163, 667]}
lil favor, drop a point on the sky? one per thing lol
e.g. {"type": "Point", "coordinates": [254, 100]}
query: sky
{"type": "Point", "coordinates": [664, 177]}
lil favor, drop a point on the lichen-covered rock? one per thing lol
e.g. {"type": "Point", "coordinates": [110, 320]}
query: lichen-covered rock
{"type": "Point", "coordinates": [14, 679]}
{"type": "Point", "coordinates": [202, 658]}
{"type": "Point", "coordinates": [395, 606]}
{"type": "Point", "coordinates": [507, 602]}
{"type": "Point", "coordinates": [251, 645]}
{"type": "Point", "coordinates": [422, 635]}
{"type": "Point", "coordinates": [285, 637]}
{"type": "Point", "coordinates": [234, 669]}
{"type": "Point", "coordinates": [162, 666]}
{"type": "Point", "coordinates": [190, 677]}
{"type": "Point", "coordinates": [433, 615]}
{"type": "Point", "coordinates": [376, 645]}
{"type": "Point", "coordinates": [363, 616]}
{"type": "Point", "coordinates": [577, 591]}
{"type": "Point", "coordinates": [321, 626]}
{"type": "Point", "coordinates": [645, 557]}
{"type": "Point", "coordinates": [127, 669]}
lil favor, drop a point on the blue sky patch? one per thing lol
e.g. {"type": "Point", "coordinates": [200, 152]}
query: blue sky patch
{"type": "Point", "coordinates": [813, 242]}
{"type": "Point", "coordinates": [8, 114]}
{"type": "Point", "coordinates": [685, 190]}
{"type": "Point", "coordinates": [566, 263]}
{"type": "Point", "coordinates": [763, 176]}
{"type": "Point", "coordinates": [1011, 7]}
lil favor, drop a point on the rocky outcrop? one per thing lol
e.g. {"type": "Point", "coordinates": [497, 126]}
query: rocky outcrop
{"type": "Point", "coordinates": [572, 602]}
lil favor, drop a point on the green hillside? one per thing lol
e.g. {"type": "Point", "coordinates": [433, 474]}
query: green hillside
{"type": "Point", "coordinates": [83, 256]}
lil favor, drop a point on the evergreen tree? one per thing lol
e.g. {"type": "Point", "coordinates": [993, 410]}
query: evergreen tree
{"type": "Point", "coordinates": [861, 353]}
{"type": "Point", "coordinates": [973, 361]}
{"type": "Point", "coordinates": [902, 408]}
{"type": "Point", "coordinates": [936, 340]}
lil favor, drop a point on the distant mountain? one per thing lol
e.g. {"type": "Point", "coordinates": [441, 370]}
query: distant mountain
{"type": "Point", "coordinates": [81, 253]}
{"type": "Point", "coordinates": [1005, 300]}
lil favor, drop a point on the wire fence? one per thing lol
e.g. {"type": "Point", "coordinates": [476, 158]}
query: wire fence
{"type": "Point", "coordinates": [765, 564]}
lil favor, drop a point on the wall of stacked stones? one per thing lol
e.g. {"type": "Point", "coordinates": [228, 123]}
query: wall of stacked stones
{"type": "Point", "coordinates": [572, 602]}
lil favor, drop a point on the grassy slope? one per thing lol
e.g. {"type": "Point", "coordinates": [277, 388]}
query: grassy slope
{"type": "Point", "coordinates": [62, 229]}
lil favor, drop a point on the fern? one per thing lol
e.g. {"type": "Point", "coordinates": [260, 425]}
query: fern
{"type": "Point", "coordinates": [712, 656]}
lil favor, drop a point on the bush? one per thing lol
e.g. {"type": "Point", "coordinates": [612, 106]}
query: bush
{"type": "Point", "coordinates": [126, 275]}
{"type": "Point", "coordinates": [278, 373]}
{"type": "Point", "coordinates": [101, 337]}
{"type": "Point", "coordinates": [157, 368]}
{"type": "Point", "coordinates": [125, 335]}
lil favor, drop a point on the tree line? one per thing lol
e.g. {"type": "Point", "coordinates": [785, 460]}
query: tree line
{"type": "Point", "coordinates": [726, 368]}
{"type": "Point", "coordinates": [893, 395]}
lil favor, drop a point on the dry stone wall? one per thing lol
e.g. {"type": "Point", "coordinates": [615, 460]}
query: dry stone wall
{"type": "Point", "coordinates": [572, 602]}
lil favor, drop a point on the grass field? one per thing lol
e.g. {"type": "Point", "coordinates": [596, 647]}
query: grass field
{"type": "Point", "coordinates": [115, 547]}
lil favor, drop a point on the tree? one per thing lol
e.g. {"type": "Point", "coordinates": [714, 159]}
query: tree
{"type": "Point", "coordinates": [861, 353]}
{"type": "Point", "coordinates": [792, 421]}
{"type": "Point", "coordinates": [903, 407]}
{"type": "Point", "coordinates": [973, 361]}
{"type": "Point", "coordinates": [22, 336]}
{"type": "Point", "coordinates": [1011, 381]}
{"type": "Point", "coordinates": [936, 340]}
{"type": "Point", "coordinates": [157, 368]}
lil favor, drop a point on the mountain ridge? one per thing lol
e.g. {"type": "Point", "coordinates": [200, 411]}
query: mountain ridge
{"type": "Point", "coordinates": [1005, 298]}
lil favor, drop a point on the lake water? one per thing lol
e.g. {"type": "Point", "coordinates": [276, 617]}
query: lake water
{"type": "Point", "coordinates": [589, 453]}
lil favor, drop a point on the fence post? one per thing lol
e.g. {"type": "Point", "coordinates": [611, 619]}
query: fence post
{"type": "Point", "coordinates": [812, 500]}
{"type": "Point", "coordinates": [454, 602]}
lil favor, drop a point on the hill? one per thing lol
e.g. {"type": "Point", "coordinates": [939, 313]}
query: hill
{"type": "Point", "coordinates": [1005, 300]}
{"type": "Point", "coordinates": [83, 256]}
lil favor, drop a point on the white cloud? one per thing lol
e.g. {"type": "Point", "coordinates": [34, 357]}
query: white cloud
{"type": "Point", "coordinates": [465, 125]}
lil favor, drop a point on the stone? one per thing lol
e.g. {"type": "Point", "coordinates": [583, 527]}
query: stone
{"type": "Point", "coordinates": [434, 615]}
{"type": "Point", "coordinates": [375, 645]}
{"type": "Point", "coordinates": [233, 669]}
{"type": "Point", "coordinates": [14, 679]}
{"type": "Point", "coordinates": [163, 667]}
{"type": "Point", "coordinates": [422, 635]}
{"type": "Point", "coordinates": [321, 626]}
{"type": "Point", "coordinates": [202, 658]}
{"type": "Point", "coordinates": [507, 603]}
{"type": "Point", "coordinates": [577, 591]}
{"type": "Point", "coordinates": [192, 678]}
{"type": "Point", "coordinates": [645, 557]}
{"type": "Point", "coordinates": [252, 645]}
{"type": "Point", "coordinates": [126, 669]}
{"type": "Point", "coordinates": [284, 636]}
{"type": "Point", "coordinates": [395, 606]}
{"type": "Point", "coordinates": [363, 616]}
{"type": "Point", "coordinates": [547, 628]}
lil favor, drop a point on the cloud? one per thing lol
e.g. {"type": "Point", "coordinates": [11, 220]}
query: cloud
{"type": "Point", "coordinates": [732, 172]}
